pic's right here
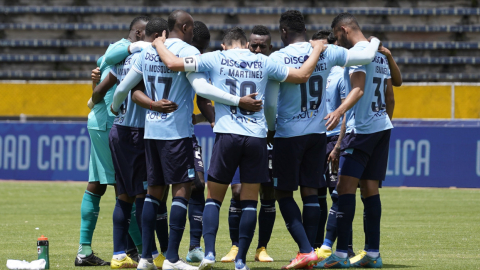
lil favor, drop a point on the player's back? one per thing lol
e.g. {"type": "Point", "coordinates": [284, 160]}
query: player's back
{"type": "Point", "coordinates": [369, 114]}
{"type": "Point", "coordinates": [240, 72]}
{"type": "Point", "coordinates": [335, 92]}
{"type": "Point", "coordinates": [301, 107]}
{"type": "Point", "coordinates": [130, 114]}
{"type": "Point", "coordinates": [163, 83]}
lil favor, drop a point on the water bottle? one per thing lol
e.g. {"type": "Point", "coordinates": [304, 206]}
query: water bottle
{"type": "Point", "coordinates": [42, 249]}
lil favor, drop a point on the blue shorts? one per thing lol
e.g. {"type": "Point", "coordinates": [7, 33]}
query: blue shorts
{"type": "Point", "coordinates": [197, 155]}
{"type": "Point", "coordinates": [369, 151]}
{"type": "Point", "coordinates": [330, 178]}
{"type": "Point", "coordinates": [269, 183]}
{"type": "Point", "coordinates": [299, 161]}
{"type": "Point", "coordinates": [232, 151]}
{"type": "Point", "coordinates": [169, 162]}
{"type": "Point", "coordinates": [128, 155]}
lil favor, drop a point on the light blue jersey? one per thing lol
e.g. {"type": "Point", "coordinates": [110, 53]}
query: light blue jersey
{"type": "Point", "coordinates": [240, 72]}
{"type": "Point", "coordinates": [369, 115]}
{"type": "Point", "coordinates": [130, 114]}
{"type": "Point", "coordinates": [335, 91]}
{"type": "Point", "coordinates": [301, 107]}
{"type": "Point", "coordinates": [163, 83]}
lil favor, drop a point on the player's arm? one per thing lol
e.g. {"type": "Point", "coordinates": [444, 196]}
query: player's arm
{"type": "Point", "coordinates": [271, 99]}
{"type": "Point", "coordinates": [96, 76]}
{"type": "Point", "coordinates": [394, 70]}
{"type": "Point", "coordinates": [389, 99]}
{"type": "Point", "coordinates": [303, 74]}
{"type": "Point", "coordinates": [207, 110]}
{"type": "Point", "coordinates": [363, 57]}
{"type": "Point", "coordinates": [334, 156]}
{"type": "Point", "coordinates": [169, 59]}
{"type": "Point", "coordinates": [102, 89]}
{"type": "Point", "coordinates": [121, 50]}
{"type": "Point", "coordinates": [131, 80]}
{"type": "Point", "coordinates": [142, 100]}
{"type": "Point", "coordinates": [357, 80]}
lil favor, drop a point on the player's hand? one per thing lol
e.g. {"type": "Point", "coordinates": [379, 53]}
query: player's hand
{"type": "Point", "coordinates": [160, 39]}
{"type": "Point", "coordinates": [249, 103]}
{"type": "Point", "coordinates": [212, 124]}
{"type": "Point", "coordinates": [372, 37]}
{"type": "Point", "coordinates": [113, 111]}
{"type": "Point", "coordinates": [333, 119]}
{"type": "Point", "coordinates": [90, 104]}
{"type": "Point", "coordinates": [96, 75]}
{"type": "Point", "coordinates": [164, 106]}
{"type": "Point", "coordinates": [383, 50]}
{"type": "Point", "coordinates": [270, 137]}
{"type": "Point", "coordinates": [319, 42]}
{"type": "Point", "coordinates": [333, 159]}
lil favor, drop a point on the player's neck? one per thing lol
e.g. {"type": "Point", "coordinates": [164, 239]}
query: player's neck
{"type": "Point", "coordinates": [357, 37]}
{"type": "Point", "coordinates": [295, 39]}
{"type": "Point", "coordinates": [175, 34]}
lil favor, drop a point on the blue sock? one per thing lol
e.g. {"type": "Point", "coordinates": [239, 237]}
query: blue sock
{"type": "Point", "coordinates": [248, 222]}
{"type": "Point", "coordinates": [178, 218]}
{"type": "Point", "coordinates": [365, 247]}
{"type": "Point", "coordinates": [234, 214]}
{"type": "Point", "coordinates": [373, 213]}
{"type": "Point", "coordinates": [129, 244]}
{"type": "Point", "coordinates": [322, 201]}
{"type": "Point", "coordinates": [293, 220]}
{"type": "Point", "coordinates": [331, 234]}
{"type": "Point", "coordinates": [311, 217]}
{"type": "Point", "coordinates": [149, 218]}
{"type": "Point", "coordinates": [211, 215]}
{"type": "Point", "coordinates": [121, 216]}
{"type": "Point", "coordinates": [266, 220]}
{"type": "Point", "coordinates": [161, 226]}
{"type": "Point", "coordinates": [196, 204]}
{"type": "Point", "coordinates": [345, 214]}
{"type": "Point", "coordinates": [139, 211]}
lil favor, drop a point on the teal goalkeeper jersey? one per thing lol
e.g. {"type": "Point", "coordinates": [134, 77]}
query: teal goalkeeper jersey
{"type": "Point", "coordinates": [301, 107]}
{"type": "Point", "coordinates": [240, 72]}
{"type": "Point", "coordinates": [100, 117]}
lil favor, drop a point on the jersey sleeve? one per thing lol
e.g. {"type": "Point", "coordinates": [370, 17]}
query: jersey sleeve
{"type": "Point", "coordinates": [137, 58]}
{"type": "Point", "coordinates": [341, 88]}
{"type": "Point", "coordinates": [276, 71]}
{"type": "Point", "coordinates": [337, 55]}
{"type": "Point", "coordinates": [188, 51]}
{"type": "Point", "coordinates": [117, 53]}
{"type": "Point", "coordinates": [354, 69]}
{"type": "Point", "coordinates": [207, 61]}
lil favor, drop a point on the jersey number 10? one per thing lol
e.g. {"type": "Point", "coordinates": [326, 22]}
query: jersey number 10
{"type": "Point", "coordinates": [244, 86]}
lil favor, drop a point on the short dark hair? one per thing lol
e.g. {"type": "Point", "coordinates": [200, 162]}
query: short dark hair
{"type": "Point", "coordinates": [345, 18]}
{"type": "Point", "coordinates": [235, 33]}
{"type": "Point", "coordinates": [137, 19]}
{"type": "Point", "coordinates": [293, 20]}
{"type": "Point", "coordinates": [156, 25]}
{"type": "Point", "coordinates": [325, 34]}
{"type": "Point", "coordinates": [200, 32]}
{"type": "Point", "coordinates": [261, 30]}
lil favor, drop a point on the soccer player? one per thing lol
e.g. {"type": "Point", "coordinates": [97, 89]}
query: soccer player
{"type": "Point", "coordinates": [101, 171]}
{"type": "Point", "coordinates": [240, 134]}
{"type": "Point", "coordinates": [259, 42]}
{"type": "Point", "coordinates": [299, 139]}
{"type": "Point", "coordinates": [128, 154]}
{"type": "Point", "coordinates": [365, 147]}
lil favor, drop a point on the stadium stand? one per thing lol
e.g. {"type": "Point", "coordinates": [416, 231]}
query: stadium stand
{"type": "Point", "coordinates": [431, 41]}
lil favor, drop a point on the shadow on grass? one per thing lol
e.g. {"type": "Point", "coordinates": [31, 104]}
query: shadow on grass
{"type": "Point", "coordinates": [219, 267]}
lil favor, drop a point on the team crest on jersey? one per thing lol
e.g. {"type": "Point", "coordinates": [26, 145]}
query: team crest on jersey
{"type": "Point", "coordinates": [328, 83]}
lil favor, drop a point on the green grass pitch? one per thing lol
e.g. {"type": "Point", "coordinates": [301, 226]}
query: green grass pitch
{"type": "Point", "coordinates": [421, 228]}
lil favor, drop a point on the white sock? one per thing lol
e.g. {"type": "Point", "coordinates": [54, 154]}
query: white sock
{"type": "Point", "coordinates": [342, 255]}
{"type": "Point", "coordinates": [120, 256]}
{"type": "Point", "coordinates": [155, 255]}
{"type": "Point", "coordinates": [373, 254]}
{"type": "Point", "coordinates": [326, 247]}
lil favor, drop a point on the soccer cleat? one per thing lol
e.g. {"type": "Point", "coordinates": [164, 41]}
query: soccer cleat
{"type": "Point", "coordinates": [90, 260]}
{"type": "Point", "coordinates": [158, 261]}
{"type": "Point", "coordinates": [262, 256]}
{"type": "Point", "coordinates": [144, 264]}
{"type": "Point", "coordinates": [133, 254]}
{"type": "Point", "coordinates": [195, 255]}
{"type": "Point", "coordinates": [126, 262]}
{"type": "Point", "coordinates": [207, 262]}
{"type": "Point", "coordinates": [179, 265]}
{"type": "Point", "coordinates": [334, 262]}
{"type": "Point", "coordinates": [351, 253]}
{"type": "Point", "coordinates": [357, 258]}
{"type": "Point", "coordinates": [302, 260]}
{"type": "Point", "coordinates": [239, 265]}
{"type": "Point", "coordinates": [322, 254]}
{"type": "Point", "coordinates": [230, 257]}
{"type": "Point", "coordinates": [369, 262]}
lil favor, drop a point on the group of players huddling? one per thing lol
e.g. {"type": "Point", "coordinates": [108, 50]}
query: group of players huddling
{"type": "Point", "coordinates": [323, 106]}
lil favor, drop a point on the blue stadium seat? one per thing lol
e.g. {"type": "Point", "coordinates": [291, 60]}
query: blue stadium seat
{"type": "Point", "coordinates": [47, 74]}
{"type": "Point", "coordinates": [235, 10]}
{"type": "Point", "coordinates": [49, 58]}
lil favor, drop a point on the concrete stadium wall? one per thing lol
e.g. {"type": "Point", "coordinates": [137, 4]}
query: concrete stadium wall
{"type": "Point", "coordinates": [69, 99]}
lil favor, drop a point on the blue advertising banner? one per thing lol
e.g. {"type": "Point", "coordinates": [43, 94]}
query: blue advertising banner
{"type": "Point", "coordinates": [422, 153]}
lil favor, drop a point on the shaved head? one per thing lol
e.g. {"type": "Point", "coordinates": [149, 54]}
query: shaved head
{"type": "Point", "coordinates": [180, 23]}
